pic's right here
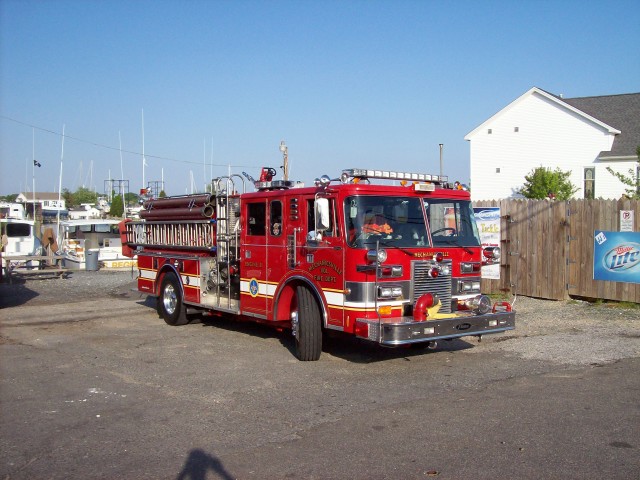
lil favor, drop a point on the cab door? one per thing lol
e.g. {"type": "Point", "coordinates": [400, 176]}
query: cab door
{"type": "Point", "coordinates": [253, 267]}
{"type": "Point", "coordinates": [276, 254]}
{"type": "Point", "coordinates": [324, 260]}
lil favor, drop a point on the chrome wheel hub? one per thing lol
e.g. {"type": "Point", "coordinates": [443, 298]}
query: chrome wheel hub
{"type": "Point", "coordinates": [169, 299]}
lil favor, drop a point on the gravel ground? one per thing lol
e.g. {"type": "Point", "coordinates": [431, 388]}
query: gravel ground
{"type": "Point", "coordinates": [75, 287]}
{"type": "Point", "coordinates": [570, 332]}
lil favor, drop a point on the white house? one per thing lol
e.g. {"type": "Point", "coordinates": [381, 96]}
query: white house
{"type": "Point", "coordinates": [46, 204]}
{"type": "Point", "coordinates": [581, 135]}
{"type": "Point", "coordinates": [86, 211]}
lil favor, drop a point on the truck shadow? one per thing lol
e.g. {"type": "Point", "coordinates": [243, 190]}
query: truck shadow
{"type": "Point", "coordinates": [361, 351]}
{"type": "Point", "coordinates": [341, 346]}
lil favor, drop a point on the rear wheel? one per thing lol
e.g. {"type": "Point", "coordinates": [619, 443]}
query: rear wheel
{"type": "Point", "coordinates": [308, 331]}
{"type": "Point", "coordinates": [170, 305]}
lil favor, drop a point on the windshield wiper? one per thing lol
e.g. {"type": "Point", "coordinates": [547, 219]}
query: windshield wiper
{"type": "Point", "coordinates": [452, 242]}
{"type": "Point", "coordinates": [382, 242]}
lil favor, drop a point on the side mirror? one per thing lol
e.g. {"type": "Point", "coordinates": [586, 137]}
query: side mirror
{"type": "Point", "coordinates": [322, 214]}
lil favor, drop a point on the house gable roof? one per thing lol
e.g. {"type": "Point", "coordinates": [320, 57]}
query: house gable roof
{"type": "Point", "coordinates": [622, 111]}
{"type": "Point", "coordinates": [552, 98]}
{"type": "Point", "coordinates": [39, 196]}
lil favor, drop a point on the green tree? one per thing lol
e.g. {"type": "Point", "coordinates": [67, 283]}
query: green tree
{"type": "Point", "coordinates": [84, 195]}
{"type": "Point", "coordinates": [632, 180]}
{"type": "Point", "coordinates": [11, 198]}
{"type": "Point", "coordinates": [68, 197]}
{"type": "Point", "coordinates": [546, 183]}
{"type": "Point", "coordinates": [117, 207]}
{"type": "Point", "coordinates": [162, 194]}
{"type": "Point", "coordinates": [131, 198]}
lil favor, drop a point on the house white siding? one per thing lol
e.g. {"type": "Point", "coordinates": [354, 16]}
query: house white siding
{"type": "Point", "coordinates": [533, 131]}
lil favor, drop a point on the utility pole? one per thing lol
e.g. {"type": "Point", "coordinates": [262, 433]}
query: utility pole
{"type": "Point", "coordinates": [441, 170]}
{"type": "Point", "coordinates": [285, 157]}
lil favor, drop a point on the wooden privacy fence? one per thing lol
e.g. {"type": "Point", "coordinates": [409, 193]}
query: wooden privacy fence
{"type": "Point", "coordinates": [547, 248]}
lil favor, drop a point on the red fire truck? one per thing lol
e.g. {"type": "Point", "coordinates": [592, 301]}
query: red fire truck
{"type": "Point", "coordinates": [389, 257]}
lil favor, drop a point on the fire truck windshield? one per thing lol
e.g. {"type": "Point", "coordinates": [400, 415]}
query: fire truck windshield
{"type": "Point", "coordinates": [452, 223]}
{"type": "Point", "coordinates": [393, 221]}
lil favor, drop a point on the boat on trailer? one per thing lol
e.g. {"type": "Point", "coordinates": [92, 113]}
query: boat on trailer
{"type": "Point", "coordinates": [78, 237]}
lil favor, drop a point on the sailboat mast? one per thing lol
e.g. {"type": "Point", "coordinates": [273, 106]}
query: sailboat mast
{"type": "Point", "coordinates": [60, 179]}
{"type": "Point", "coordinates": [204, 162]}
{"type": "Point", "coordinates": [144, 161]}
{"type": "Point", "coordinates": [120, 186]}
{"type": "Point", "coordinates": [33, 169]}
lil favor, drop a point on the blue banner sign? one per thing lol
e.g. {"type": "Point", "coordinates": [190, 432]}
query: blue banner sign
{"type": "Point", "coordinates": [616, 256]}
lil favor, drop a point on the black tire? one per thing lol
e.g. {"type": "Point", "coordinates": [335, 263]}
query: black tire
{"type": "Point", "coordinates": [170, 304]}
{"type": "Point", "coordinates": [309, 330]}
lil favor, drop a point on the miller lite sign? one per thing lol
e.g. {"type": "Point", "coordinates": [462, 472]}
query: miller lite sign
{"type": "Point", "coordinates": [616, 256]}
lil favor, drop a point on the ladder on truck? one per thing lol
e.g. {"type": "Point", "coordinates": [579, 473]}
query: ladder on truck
{"type": "Point", "coordinates": [171, 234]}
{"type": "Point", "coordinates": [227, 241]}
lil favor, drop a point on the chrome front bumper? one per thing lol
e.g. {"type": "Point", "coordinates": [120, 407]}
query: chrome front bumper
{"type": "Point", "coordinates": [404, 330]}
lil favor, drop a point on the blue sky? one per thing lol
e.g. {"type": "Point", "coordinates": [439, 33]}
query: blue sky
{"type": "Point", "coordinates": [344, 83]}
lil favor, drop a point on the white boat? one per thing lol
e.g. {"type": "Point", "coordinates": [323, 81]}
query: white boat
{"type": "Point", "coordinates": [82, 238]}
{"type": "Point", "coordinates": [18, 240]}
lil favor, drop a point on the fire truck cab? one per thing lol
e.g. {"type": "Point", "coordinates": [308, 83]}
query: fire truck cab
{"type": "Point", "coordinates": [395, 264]}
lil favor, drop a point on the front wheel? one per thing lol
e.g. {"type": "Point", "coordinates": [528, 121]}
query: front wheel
{"type": "Point", "coordinates": [170, 306]}
{"type": "Point", "coordinates": [308, 331]}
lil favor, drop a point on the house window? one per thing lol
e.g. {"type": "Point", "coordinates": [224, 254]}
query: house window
{"type": "Point", "coordinates": [589, 182]}
{"type": "Point", "coordinates": [497, 169]}
{"type": "Point", "coordinates": [516, 129]}
{"type": "Point", "coordinates": [490, 131]}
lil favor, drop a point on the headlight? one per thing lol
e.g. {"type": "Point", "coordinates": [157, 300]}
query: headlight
{"type": "Point", "coordinates": [389, 291]}
{"type": "Point", "coordinates": [391, 271]}
{"type": "Point", "coordinates": [469, 267]}
{"type": "Point", "coordinates": [468, 286]}
{"type": "Point", "coordinates": [379, 256]}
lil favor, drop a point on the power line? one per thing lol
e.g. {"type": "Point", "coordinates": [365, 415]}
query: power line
{"type": "Point", "coordinates": [109, 147]}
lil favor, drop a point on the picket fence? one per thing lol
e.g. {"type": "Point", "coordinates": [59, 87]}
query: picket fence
{"type": "Point", "coordinates": [547, 248]}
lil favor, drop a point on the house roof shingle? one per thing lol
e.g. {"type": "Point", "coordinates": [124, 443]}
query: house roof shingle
{"type": "Point", "coordinates": [621, 112]}
{"type": "Point", "coordinates": [40, 196]}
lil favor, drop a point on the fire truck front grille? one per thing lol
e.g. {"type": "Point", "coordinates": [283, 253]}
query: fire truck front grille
{"type": "Point", "coordinates": [423, 283]}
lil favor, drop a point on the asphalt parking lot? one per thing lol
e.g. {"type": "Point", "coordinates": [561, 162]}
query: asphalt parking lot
{"type": "Point", "coordinates": [94, 385]}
